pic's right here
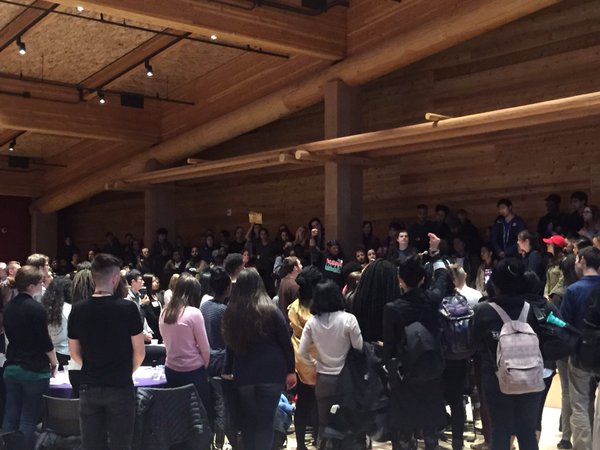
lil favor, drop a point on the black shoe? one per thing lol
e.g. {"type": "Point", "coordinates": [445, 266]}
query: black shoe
{"type": "Point", "coordinates": [564, 445]}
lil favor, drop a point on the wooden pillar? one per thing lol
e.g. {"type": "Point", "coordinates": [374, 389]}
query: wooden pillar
{"type": "Point", "coordinates": [343, 182]}
{"type": "Point", "coordinates": [159, 212]}
{"type": "Point", "coordinates": [44, 233]}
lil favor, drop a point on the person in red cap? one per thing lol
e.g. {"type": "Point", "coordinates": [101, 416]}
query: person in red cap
{"type": "Point", "coordinates": [554, 291]}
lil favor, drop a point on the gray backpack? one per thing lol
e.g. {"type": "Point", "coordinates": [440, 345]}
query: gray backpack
{"type": "Point", "coordinates": [520, 367]}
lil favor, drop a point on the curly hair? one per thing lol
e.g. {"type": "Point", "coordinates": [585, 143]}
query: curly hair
{"type": "Point", "coordinates": [57, 293]}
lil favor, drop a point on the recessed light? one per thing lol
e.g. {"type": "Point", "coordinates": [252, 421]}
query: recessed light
{"type": "Point", "coordinates": [213, 37]}
{"type": "Point", "coordinates": [80, 8]}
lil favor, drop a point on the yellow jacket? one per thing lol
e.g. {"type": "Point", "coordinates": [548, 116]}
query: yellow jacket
{"type": "Point", "coordinates": [298, 316]}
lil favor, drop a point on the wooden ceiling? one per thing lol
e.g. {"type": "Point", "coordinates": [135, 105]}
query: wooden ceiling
{"type": "Point", "coordinates": [265, 64]}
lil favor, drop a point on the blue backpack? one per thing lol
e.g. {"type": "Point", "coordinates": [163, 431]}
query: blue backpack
{"type": "Point", "coordinates": [456, 322]}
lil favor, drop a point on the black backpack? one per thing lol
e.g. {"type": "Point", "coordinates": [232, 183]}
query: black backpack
{"type": "Point", "coordinates": [456, 323]}
{"type": "Point", "coordinates": [422, 358]}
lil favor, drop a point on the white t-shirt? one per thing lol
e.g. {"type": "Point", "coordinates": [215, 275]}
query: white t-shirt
{"type": "Point", "coordinates": [333, 334]}
{"type": "Point", "coordinates": [472, 295]}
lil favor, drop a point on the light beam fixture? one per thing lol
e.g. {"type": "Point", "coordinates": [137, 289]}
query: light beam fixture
{"type": "Point", "coordinates": [21, 45]}
{"type": "Point", "coordinates": [148, 67]}
{"type": "Point", "coordinates": [101, 98]}
{"type": "Point", "coordinates": [80, 8]}
{"type": "Point", "coordinates": [213, 37]}
{"type": "Point", "coordinates": [12, 145]}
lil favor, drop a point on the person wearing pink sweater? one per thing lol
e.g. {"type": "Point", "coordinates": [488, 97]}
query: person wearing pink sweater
{"type": "Point", "coordinates": [184, 335]}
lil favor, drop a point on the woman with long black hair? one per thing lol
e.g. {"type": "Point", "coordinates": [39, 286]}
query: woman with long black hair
{"type": "Point", "coordinates": [260, 358]}
{"type": "Point", "coordinates": [530, 249]}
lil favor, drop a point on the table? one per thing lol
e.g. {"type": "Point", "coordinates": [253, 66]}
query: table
{"type": "Point", "coordinates": [143, 377]}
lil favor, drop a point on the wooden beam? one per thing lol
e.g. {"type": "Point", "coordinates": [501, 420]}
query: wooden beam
{"type": "Point", "coordinates": [90, 120]}
{"type": "Point", "coordinates": [206, 169]}
{"type": "Point", "coordinates": [24, 21]}
{"type": "Point", "coordinates": [11, 84]}
{"type": "Point", "coordinates": [403, 139]}
{"type": "Point", "coordinates": [468, 20]}
{"type": "Point", "coordinates": [323, 36]}
{"type": "Point", "coordinates": [127, 62]}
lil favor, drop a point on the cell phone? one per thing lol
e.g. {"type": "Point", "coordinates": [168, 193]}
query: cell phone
{"type": "Point", "coordinates": [143, 292]}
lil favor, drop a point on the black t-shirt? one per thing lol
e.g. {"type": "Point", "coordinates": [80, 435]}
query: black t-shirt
{"type": "Point", "coordinates": [26, 327]}
{"type": "Point", "coordinates": [104, 327]}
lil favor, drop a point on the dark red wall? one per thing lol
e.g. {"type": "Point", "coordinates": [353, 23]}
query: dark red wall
{"type": "Point", "coordinates": [15, 228]}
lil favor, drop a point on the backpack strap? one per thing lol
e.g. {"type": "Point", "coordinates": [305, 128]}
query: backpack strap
{"type": "Point", "coordinates": [524, 312]}
{"type": "Point", "coordinates": [505, 317]}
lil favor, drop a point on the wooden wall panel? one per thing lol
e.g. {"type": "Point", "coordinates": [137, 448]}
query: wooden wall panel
{"type": "Point", "coordinates": [87, 222]}
{"type": "Point", "coordinates": [290, 198]}
{"type": "Point", "coordinates": [551, 54]}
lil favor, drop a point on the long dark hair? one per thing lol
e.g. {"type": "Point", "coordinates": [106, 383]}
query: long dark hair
{"type": "Point", "coordinates": [186, 293]}
{"type": "Point", "coordinates": [250, 313]}
{"type": "Point", "coordinates": [57, 293]}
{"type": "Point", "coordinates": [378, 285]}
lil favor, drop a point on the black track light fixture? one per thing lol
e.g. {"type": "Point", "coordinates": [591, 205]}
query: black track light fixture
{"type": "Point", "coordinates": [12, 145]}
{"type": "Point", "coordinates": [21, 45]}
{"type": "Point", "coordinates": [101, 98]}
{"type": "Point", "coordinates": [148, 67]}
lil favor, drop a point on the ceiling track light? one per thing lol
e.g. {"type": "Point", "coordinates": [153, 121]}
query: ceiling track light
{"type": "Point", "coordinates": [80, 8]}
{"type": "Point", "coordinates": [21, 45]}
{"type": "Point", "coordinates": [12, 145]}
{"type": "Point", "coordinates": [213, 37]}
{"type": "Point", "coordinates": [101, 98]}
{"type": "Point", "coordinates": [148, 67]}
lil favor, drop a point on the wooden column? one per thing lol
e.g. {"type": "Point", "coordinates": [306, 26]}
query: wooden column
{"type": "Point", "coordinates": [159, 205]}
{"type": "Point", "coordinates": [343, 182]}
{"type": "Point", "coordinates": [44, 233]}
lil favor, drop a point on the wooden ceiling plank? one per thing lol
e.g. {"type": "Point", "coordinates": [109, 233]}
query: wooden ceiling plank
{"type": "Point", "coordinates": [451, 28]}
{"type": "Point", "coordinates": [87, 120]}
{"type": "Point", "coordinates": [28, 18]}
{"type": "Point", "coordinates": [127, 62]}
{"type": "Point", "coordinates": [323, 36]}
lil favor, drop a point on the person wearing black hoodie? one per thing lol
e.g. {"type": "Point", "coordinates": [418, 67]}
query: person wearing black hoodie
{"type": "Point", "coordinates": [330, 262]}
{"type": "Point", "coordinates": [510, 414]}
{"type": "Point", "coordinates": [415, 404]}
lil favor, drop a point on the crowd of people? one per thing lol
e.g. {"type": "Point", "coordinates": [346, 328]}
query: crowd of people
{"type": "Point", "coordinates": [248, 318]}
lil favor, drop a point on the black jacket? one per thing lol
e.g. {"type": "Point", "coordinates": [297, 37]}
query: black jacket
{"type": "Point", "coordinates": [169, 417]}
{"type": "Point", "coordinates": [414, 406]}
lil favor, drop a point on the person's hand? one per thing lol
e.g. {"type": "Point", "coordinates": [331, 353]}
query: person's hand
{"type": "Point", "coordinates": [53, 369]}
{"type": "Point", "coordinates": [290, 381]}
{"type": "Point", "coordinates": [147, 337]}
{"type": "Point", "coordinates": [227, 376]}
{"type": "Point", "coordinates": [434, 242]}
{"type": "Point", "coordinates": [145, 300]}
{"type": "Point", "coordinates": [314, 232]}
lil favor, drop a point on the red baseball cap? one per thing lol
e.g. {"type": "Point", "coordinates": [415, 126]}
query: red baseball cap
{"type": "Point", "coordinates": [557, 240]}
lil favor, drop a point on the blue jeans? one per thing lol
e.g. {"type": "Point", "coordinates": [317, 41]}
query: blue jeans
{"type": "Point", "coordinates": [107, 414]}
{"type": "Point", "coordinates": [257, 404]}
{"type": "Point", "coordinates": [23, 409]}
{"type": "Point", "coordinates": [198, 378]}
